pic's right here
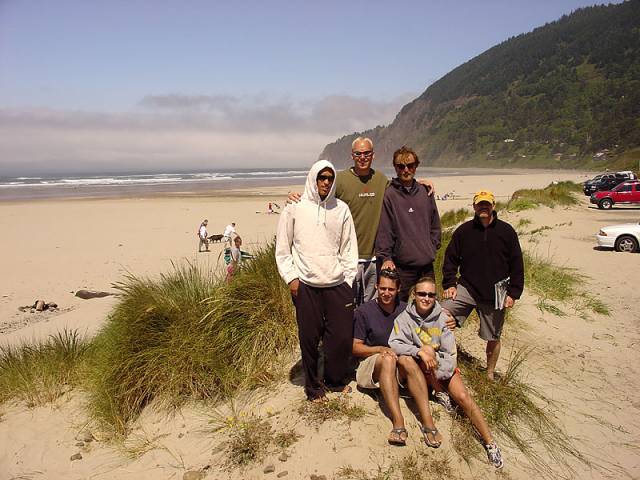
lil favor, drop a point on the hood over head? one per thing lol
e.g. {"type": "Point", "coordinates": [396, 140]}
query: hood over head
{"type": "Point", "coordinates": [311, 187]}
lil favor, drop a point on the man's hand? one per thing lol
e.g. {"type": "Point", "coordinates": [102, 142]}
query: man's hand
{"type": "Point", "coordinates": [450, 322]}
{"type": "Point", "coordinates": [294, 197]}
{"type": "Point", "coordinates": [293, 287]}
{"type": "Point", "coordinates": [450, 292]}
{"type": "Point", "coordinates": [386, 351]}
{"type": "Point", "coordinates": [428, 356]}
{"type": "Point", "coordinates": [388, 265]}
{"type": "Point", "coordinates": [431, 189]}
{"type": "Point", "coordinates": [509, 302]}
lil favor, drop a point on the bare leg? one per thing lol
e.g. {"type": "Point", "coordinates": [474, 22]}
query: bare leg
{"type": "Point", "coordinates": [461, 395]}
{"type": "Point", "coordinates": [419, 390]}
{"type": "Point", "coordinates": [493, 352]}
{"type": "Point", "coordinates": [384, 372]}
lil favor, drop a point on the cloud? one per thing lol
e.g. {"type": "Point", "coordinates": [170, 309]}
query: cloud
{"type": "Point", "coordinates": [183, 131]}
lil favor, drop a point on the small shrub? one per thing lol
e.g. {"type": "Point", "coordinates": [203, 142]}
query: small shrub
{"type": "Point", "coordinates": [334, 408]}
{"type": "Point", "coordinates": [286, 438]}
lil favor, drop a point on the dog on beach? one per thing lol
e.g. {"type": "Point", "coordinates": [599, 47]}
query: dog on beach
{"type": "Point", "coordinates": [215, 238]}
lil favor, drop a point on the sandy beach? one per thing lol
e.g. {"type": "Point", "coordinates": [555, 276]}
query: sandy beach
{"type": "Point", "coordinates": [53, 248]}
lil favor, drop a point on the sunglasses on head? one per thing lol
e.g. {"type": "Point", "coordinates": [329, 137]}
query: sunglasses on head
{"type": "Point", "coordinates": [402, 166]}
{"type": "Point", "coordinates": [368, 153]}
{"type": "Point", "coordinates": [426, 294]}
{"type": "Point", "coordinates": [322, 178]}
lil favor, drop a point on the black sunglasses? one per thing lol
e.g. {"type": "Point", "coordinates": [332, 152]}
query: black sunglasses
{"type": "Point", "coordinates": [426, 294]}
{"type": "Point", "coordinates": [322, 178]}
{"type": "Point", "coordinates": [402, 166]}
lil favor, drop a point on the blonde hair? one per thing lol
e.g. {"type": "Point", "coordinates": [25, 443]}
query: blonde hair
{"type": "Point", "coordinates": [361, 139]}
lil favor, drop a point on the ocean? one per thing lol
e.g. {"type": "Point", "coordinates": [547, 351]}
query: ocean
{"type": "Point", "coordinates": [128, 184]}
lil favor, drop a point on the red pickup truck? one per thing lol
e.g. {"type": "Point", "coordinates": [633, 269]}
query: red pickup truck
{"type": "Point", "coordinates": [627, 192]}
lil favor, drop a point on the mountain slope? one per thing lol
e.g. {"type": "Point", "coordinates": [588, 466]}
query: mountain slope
{"type": "Point", "coordinates": [551, 97]}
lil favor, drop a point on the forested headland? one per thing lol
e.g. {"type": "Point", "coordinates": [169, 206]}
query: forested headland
{"type": "Point", "coordinates": [566, 95]}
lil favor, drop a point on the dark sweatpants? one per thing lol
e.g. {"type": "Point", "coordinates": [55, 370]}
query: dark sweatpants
{"type": "Point", "coordinates": [327, 314]}
{"type": "Point", "coordinates": [409, 276]}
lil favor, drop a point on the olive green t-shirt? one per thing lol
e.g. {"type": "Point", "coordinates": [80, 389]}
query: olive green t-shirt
{"type": "Point", "coordinates": [364, 197]}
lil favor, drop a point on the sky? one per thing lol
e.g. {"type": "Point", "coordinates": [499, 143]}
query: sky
{"type": "Point", "coordinates": [155, 85]}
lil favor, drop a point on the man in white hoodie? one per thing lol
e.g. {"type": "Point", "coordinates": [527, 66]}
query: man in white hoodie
{"type": "Point", "coordinates": [317, 256]}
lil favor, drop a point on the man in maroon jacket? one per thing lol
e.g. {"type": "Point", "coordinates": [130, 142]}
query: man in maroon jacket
{"type": "Point", "coordinates": [409, 229]}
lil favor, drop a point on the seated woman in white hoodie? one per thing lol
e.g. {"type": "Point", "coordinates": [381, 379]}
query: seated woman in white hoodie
{"type": "Point", "coordinates": [420, 332]}
{"type": "Point", "coordinates": [317, 256]}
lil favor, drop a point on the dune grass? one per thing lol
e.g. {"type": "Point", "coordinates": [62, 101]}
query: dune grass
{"type": "Point", "coordinates": [563, 285]}
{"type": "Point", "coordinates": [39, 373]}
{"type": "Point", "coordinates": [516, 411]}
{"type": "Point", "coordinates": [190, 336]}
{"type": "Point", "coordinates": [555, 194]}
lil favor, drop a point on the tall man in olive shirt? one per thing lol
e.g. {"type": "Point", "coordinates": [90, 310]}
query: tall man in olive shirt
{"type": "Point", "coordinates": [362, 188]}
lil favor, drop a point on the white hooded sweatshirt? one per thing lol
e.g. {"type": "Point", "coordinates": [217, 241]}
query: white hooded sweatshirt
{"type": "Point", "coordinates": [316, 240]}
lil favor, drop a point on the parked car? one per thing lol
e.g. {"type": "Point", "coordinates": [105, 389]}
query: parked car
{"type": "Point", "coordinates": [607, 181]}
{"type": "Point", "coordinates": [623, 238]}
{"type": "Point", "coordinates": [627, 192]}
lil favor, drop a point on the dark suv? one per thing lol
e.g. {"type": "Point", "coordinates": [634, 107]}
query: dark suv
{"type": "Point", "coordinates": [606, 181]}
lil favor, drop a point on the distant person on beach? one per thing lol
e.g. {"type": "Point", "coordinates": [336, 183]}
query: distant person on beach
{"type": "Point", "coordinates": [420, 338]}
{"type": "Point", "coordinates": [483, 269]}
{"type": "Point", "coordinates": [202, 236]}
{"type": "Point", "coordinates": [409, 229]}
{"type": "Point", "coordinates": [380, 367]}
{"type": "Point", "coordinates": [317, 256]}
{"type": "Point", "coordinates": [229, 233]}
{"type": "Point", "coordinates": [362, 188]}
{"type": "Point", "coordinates": [236, 258]}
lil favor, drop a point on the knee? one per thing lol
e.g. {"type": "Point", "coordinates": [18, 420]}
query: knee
{"type": "Point", "coordinates": [408, 364]}
{"type": "Point", "coordinates": [387, 364]}
{"type": "Point", "coordinates": [463, 398]}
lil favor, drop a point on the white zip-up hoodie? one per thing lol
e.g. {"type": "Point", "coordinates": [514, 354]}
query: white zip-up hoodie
{"type": "Point", "coordinates": [316, 240]}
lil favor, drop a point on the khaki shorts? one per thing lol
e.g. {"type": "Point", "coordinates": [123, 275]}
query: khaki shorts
{"type": "Point", "coordinates": [491, 320]}
{"type": "Point", "coordinates": [364, 373]}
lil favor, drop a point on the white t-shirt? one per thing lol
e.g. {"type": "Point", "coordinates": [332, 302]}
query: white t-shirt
{"type": "Point", "coordinates": [202, 232]}
{"type": "Point", "coordinates": [229, 230]}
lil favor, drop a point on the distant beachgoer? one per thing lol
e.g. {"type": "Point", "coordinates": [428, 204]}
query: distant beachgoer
{"type": "Point", "coordinates": [317, 256]}
{"type": "Point", "coordinates": [487, 254]}
{"type": "Point", "coordinates": [380, 367]}
{"type": "Point", "coordinates": [236, 258]}
{"type": "Point", "coordinates": [229, 233]}
{"type": "Point", "coordinates": [420, 335]}
{"type": "Point", "coordinates": [270, 208]}
{"type": "Point", "coordinates": [409, 230]}
{"type": "Point", "coordinates": [202, 236]}
{"type": "Point", "coordinates": [362, 188]}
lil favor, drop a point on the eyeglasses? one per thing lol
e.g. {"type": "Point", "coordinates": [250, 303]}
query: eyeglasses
{"type": "Point", "coordinates": [322, 178]}
{"type": "Point", "coordinates": [366, 154]}
{"type": "Point", "coordinates": [402, 166]}
{"type": "Point", "coordinates": [426, 294]}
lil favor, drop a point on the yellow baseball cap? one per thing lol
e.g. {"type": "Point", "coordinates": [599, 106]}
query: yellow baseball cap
{"type": "Point", "coordinates": [484, 196]}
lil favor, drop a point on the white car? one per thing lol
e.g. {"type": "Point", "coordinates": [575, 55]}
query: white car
{"type": "Point", "coordinates": [624, 237]}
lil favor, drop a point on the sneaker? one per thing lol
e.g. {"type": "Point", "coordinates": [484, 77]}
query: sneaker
{"type": "Point", "coordinates": [444, 399]}
{"type": "Point", "coordinates": [494, 455]}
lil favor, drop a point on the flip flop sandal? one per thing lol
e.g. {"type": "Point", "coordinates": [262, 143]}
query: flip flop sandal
{"type": "Point", "coordinates": [398, 436]}
{"type": "Point", "coordinates": [425, 435]}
